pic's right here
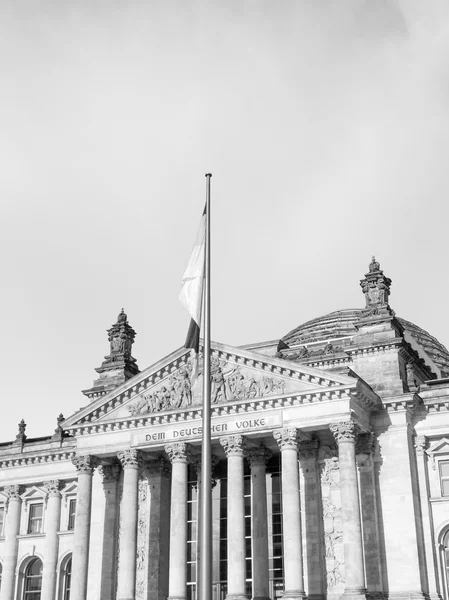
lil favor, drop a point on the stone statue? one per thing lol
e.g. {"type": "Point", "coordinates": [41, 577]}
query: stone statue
{"type": "Point", "coordinates": [228, 383]}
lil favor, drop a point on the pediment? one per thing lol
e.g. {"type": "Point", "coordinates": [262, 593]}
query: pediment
{"type": "Point", "coordinates": [439, 447]}
{"type": "Point", "coordinates": [237, 375]}
{"type": "Point", "coordinates": [33, 493]}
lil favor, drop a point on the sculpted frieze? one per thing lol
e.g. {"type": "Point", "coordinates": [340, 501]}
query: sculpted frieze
{"type": "Point", "coordinates": [228, 382]}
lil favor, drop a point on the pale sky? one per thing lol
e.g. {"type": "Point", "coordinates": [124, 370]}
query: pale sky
{"type": "Point", "coordinates": [325, 124]}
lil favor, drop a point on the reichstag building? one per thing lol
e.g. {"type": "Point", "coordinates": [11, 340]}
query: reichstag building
{"type": "Point", "coordinates": [330, 471]}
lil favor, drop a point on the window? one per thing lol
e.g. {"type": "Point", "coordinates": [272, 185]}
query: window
{"type": "Point", "coordinates": [192, 508]}
{"type": "Point", "coordinates": [275, 531]}
{"type": "Point", "coordinates": [1, 573]}
{"type": "Point", "coordinates": [67, 579]}
{"type": "Point", "coordinates": [36, 517]}
{"type": "Point", "coordinates": [2, 519]}
{"type": "Point", "coordinates": [72, 511]}
{"type": "Point", "coordinates": [33, 580]}
{"type": "Point", "coordinates": [444, 477]}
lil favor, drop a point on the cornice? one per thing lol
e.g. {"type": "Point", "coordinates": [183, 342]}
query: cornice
{"type": "Point", "coordinates": [405, 402]}
{"type": "Point", "coordinates": [38, 459]}
{"type": "Point", "coordinates": [319, 395]}
{"type": "Point", "coordinates": [165, 368]}
{"type": "Point", "coordinates": [384, 346]}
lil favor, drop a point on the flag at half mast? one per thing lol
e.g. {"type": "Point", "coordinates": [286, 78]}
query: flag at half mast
{"type": "Point", "coordinates": [191, 295]}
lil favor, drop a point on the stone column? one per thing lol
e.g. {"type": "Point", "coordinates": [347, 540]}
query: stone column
{"type": "Point", "coordinates": [158, 475]}
{"type": "Point", "coordinates": [234, 446]}
{"type": "Point", "coordinates": [427, 518]}
{"type": "Point", "coordinates": [126, 582]}
{"type": "Point", "coordinates": [12, 527]}
{"type": "Point", "coordinates": [110, 475]}
{"type": "Point", "coordinates": [52, 526]}
{"type": "Point", "coordinates": [258, 458]}
{"type": "Point", "coordinates": [177, 579]}
{"type": "Point", "coordinates": [287, 440]}
{"type": "Point", "coordinates": [370, 524]}
{"type": "Point", "coordinates": [312, 520]}
{"type": "Point", "coordinates": [345, 434]}
{"type": "Point", "coordinates": [80, 561]}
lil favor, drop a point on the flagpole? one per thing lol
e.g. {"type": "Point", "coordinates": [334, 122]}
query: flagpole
{"type": "Point", "coordinates": [205, 524]}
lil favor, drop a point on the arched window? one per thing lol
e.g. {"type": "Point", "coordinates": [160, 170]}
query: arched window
{"type": "Point", "coordinates": [33, 580]}
{"type": "Point", "coordinates": [67, 575]}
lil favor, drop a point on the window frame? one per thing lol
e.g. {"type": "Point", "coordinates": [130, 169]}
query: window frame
{"type": "Point", "coordinates": [65, 573]}
{"type": "Point", "coordinates": [2, 520]}
{"type": "Point", "coordinates": [30, 509]}
{"type": "Point", "coordinates": [441, 462]}
{"type": "Point", "coordinates": [71, 518]}
{"type": "Point", "coordinates": [30, 594]}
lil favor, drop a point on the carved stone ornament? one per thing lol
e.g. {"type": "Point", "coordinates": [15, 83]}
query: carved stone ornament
{"type": "Point", "coordinates": [287, 438]}
{"type": "Point", "coordinates": [85, 464]}
{"type": "Point", "coordinates": [13, 492]}
{"type": "Point", "coordinates": [259, 456]}
{"type": "Point", "coordinates": [142, 540]}
{"type": "Point", "coordinates": [376, 288]}
{"type": "Point", "coordinates": [109, 473]}
{"type": "Point", "coordinates": [52, 488]}
{"type": "Point", "coordinates": [345, 431]}
{"type": "Point", "coordinates": [421, 444]}
{"type": "Point", "coordinates": [228, 383]}
{"type": "Point", "coordinates": [129, 459]}
{"type": "Point", "coordinates": [178, 452]}
{"type": "Point", "coordinates": [234, 445]}
{"type": "Point", "coordinates": [308, 449]}
{"type": "Point", "coordinates": [364, 443]}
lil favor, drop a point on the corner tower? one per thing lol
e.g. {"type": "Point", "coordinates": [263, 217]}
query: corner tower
{"type": "Point", "coordinates": [119, 365]}
{"type": "Point", "coordinates": [381, 351]}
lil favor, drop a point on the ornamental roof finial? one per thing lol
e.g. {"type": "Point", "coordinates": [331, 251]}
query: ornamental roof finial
{"type": "Point", "coordinates": [123, 317]}
{"type": "Point", "coordinates": [376, 288]}
{"type": "Point", "coordinates": [21, 437]}
{"type": "Point", "coordinates": [119, 365]}
{"type": "Point", "coordinates": [374, 265]}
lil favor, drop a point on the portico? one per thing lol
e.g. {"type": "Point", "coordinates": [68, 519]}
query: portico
{"type": "Point", "coordinates": [313, 471]}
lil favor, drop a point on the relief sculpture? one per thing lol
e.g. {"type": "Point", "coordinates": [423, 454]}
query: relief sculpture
{"type": "Point", "coordinates": [227, 383]}
{"type": "Point", "coordinates": [141, 540]}
{"type": "Point", "coordinates": [332, 518]}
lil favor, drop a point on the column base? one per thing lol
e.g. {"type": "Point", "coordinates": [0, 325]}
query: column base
{"type": "Point", "coordinates": [411, 595]}
{"type": "Point", "coordinates": [173, 598]}
{"type": "Point", "coordinates": [261, 598]}
{"type": "Point", "coordinates": [354, 594]}
{"type": "Point", "coordinates": [237, 597]}
{"type": "Point", "coordinates": [293, 595]}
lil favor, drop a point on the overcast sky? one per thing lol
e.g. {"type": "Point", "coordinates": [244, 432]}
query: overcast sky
{"type": "Point", "coordinates": [325, 124]}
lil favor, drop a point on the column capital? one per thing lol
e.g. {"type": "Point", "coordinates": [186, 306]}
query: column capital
{"type": "Point", "coordinates": [287, 438]}
{"type": "Point", "coordinates": [258, 457]}
{"type": "Point", "coordinates": [85, 464]}
{"type": "Point", "coordinates": [344, 431]}
{"type": "Point", "coordinates": [178, 452]}
{"type": "Point", "coordinates": [109, 473]}
{"type": "Point", "coordinates": [129, 458]}
{"type": "Point", "coordinates": [308, 449]}
{"type": "Point", "coordinates": [234, 445]}
{"type": "Point", "coordinates": [13, 492]}
{"type": "Point", "coordinates": [421, 443]}
{"type": "Point", "coordinates": [52, 488]}
{"type": "Point", "coordinates": [364, 443]}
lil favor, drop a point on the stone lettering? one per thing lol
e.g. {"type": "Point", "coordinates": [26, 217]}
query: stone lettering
{"type": "Point", "coordinates": [154, 437]}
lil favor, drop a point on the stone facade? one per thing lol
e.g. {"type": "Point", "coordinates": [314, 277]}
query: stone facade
{"type": "Point", "coordinates": [330, 471]}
